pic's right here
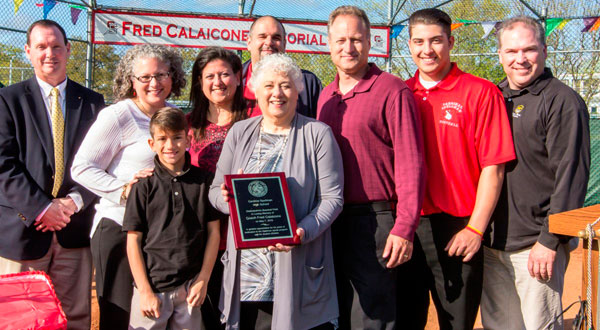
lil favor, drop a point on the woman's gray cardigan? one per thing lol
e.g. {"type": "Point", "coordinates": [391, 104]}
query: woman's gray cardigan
{"type": "Point", "coordinates": [305, 294]}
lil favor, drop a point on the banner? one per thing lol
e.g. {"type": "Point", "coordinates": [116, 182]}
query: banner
{"type": "Point", "coordinates": [124, 28]}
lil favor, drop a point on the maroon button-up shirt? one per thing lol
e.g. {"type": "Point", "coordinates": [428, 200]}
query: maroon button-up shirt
{"type": "Point", "coordinates": [378, 129]}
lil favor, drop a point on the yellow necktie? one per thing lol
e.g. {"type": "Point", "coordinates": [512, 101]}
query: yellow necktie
{"type": "Point", "coordinates": [58, 132]}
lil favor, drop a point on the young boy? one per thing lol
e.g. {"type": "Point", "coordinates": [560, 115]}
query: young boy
{"type": "Point", "coordinates": [172, 240]}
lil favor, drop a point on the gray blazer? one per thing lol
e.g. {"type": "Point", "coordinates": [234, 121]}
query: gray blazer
{"type": "Point", "coordinates": [305, 294]}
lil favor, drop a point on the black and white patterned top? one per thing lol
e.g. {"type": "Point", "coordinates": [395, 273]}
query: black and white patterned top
{"type": "Point", "coordinates": [257, 265]}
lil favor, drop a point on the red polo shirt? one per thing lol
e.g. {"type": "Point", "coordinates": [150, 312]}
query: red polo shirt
{"type": "Point", "coordinates": [253, 109]}
{"type": "Point", "coordinates": [378, 129]}
{"type": "Point", "coordinates": [465, 128]}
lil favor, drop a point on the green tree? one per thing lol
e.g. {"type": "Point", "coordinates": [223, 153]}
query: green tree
{"type": "Point", "coordinates": [480, 58]}
{"type": "Point", "coordinates": [14, 66]}
{"type": "Point", "coordinates": [571, 56]}
{"type": "Point", "coordinates": [105, 65]}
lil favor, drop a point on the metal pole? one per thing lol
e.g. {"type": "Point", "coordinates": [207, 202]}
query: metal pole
{"type": "Point", "coordinates": [10, 73]}
{"type": "Point", "coordinates": [89, 62]}
{"type": "Point", "coordinates": [544, 16]}
{"type": "Point", "coordinates": [388, 66]}
{"type": "Point", "coordinates": [526, 4]}
{"type": "Point", "coordinates": [241, 5]}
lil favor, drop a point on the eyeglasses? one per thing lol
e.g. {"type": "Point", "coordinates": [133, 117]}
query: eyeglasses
{"type": "Point", "coordinates": [148, 78]}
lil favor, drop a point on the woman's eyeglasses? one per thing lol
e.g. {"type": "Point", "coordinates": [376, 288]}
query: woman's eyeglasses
{"type": "Point", "coordinates": [148, 78]}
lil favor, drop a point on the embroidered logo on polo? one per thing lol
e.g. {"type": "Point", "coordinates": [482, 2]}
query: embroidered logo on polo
{"type": "Point", "coordinates": [257, 188]}
{"type": "Point", "coordinates": [450, 111]}
{"type": "Point", "coordinates": [517, 111]}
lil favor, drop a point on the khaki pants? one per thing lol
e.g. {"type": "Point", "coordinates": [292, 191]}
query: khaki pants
{"type": "Point", "coordinates": [513, 300]}
{"type": "Point", "coordinates": [71, 273]}
{"type": "Point", "coordinates": [175, 313]}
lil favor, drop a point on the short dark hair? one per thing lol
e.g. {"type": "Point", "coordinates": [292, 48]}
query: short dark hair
{"type": "Point", "coordinates": [200, 103]}
{"type": "Point", "coordinates": [430, 16]}
{"type": "Point", "coordinates": [48, 23]}
{"type": "Point", "coordinates": [168, 119]}
{"type": "Point", "coordinates": [267, 16]}
{"type": "Point", "coordinates": [350, 11]}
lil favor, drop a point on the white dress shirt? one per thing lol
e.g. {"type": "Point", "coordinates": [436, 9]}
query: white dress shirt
{"type": "Point", "coordinates": [46, 91]}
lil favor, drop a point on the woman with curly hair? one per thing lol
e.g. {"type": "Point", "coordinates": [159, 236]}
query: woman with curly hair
{"type": "Point", "coordinates": [114, 155]}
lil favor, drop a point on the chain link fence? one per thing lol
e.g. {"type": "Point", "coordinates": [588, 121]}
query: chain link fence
{"type": "Point", "coordinates": [572, 55]}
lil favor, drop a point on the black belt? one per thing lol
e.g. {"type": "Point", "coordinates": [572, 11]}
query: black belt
{"type": "Point", "coordinates": [368, 208]}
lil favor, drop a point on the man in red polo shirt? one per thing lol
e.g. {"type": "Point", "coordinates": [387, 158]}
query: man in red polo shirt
{"type": "Point", "coordinates": [375, 121]}
{"type": "Point", "coordinates": [467, 141]}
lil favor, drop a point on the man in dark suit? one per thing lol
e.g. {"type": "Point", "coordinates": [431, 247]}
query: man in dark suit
{"type": "Point", "coordinates": [45, 217]}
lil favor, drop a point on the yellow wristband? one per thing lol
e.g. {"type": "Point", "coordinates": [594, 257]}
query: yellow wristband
{"type": "Point", "coordinates": [473, 229]}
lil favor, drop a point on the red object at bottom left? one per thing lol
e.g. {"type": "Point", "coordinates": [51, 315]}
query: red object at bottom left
{"type": "Point", "coordinates": [28, 301]}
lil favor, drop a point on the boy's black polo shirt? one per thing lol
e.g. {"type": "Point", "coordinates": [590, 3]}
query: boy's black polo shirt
{"type": "Point", "coordinates": [171, 213]}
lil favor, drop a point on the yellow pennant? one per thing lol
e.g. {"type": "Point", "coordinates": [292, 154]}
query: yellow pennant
{"type": "Point", "coordinates": [18, 4]}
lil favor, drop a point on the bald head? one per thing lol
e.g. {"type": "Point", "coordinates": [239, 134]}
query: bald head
{"type": "Point", "coordinates": [267, 36]}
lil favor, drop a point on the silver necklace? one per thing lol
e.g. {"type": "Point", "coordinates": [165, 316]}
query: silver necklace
{"type": "Point", "coordinates": [260, 141]}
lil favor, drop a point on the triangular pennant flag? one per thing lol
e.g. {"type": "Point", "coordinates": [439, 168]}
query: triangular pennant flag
{"type": "Point", "coordinates": [396, 29]}
{"type": "Point", "coordinates": [595, 26]}
{"type": "Point", "coordinates": [487, 28]}
{"type": "Point", "coordinates": [467, 22]}
{"type": "Point", "coordinates": [455, 26]}
{"type": "Point", "coordinates": [589, 23]}
{"type": "Point", "coordinates": [18, 4]}
{"type": "Point", "coordinates": [48, 5]}
{"type": "Point", "coordinates": [563, 23]}
{"type": "Point", "coordinates": [552, 23]}
{"type": "Point", "coordinates": [497, 26]}
{"type": "Point", "coordinates": [75, 14]}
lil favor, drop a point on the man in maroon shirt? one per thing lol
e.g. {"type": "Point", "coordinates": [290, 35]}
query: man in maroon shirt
{"type": "Point", "coordinates": [376, 124]}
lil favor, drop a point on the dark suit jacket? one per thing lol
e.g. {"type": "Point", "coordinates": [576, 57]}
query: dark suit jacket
{"type": "Point", "coordinates": [307, 99]}
{"type": "Point", "coordinates": [27, 167]}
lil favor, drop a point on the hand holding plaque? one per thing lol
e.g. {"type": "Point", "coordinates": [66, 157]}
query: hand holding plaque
{"type": "Point", "coordinates": [261, 211]}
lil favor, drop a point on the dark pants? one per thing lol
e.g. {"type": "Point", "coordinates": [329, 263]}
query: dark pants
{"type": "Point", "coordinates": [114, 282]}
{"type": "Point", "coordinates": [211, 315]}
{"type": "Point", "coordinates": [454, 285]}
{"type": "Point", "coordinates": [258, 316]}
{"type": "Point", "coordinates": [367, 290]}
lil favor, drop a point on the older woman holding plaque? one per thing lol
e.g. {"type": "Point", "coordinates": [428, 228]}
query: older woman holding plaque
{"type": "Point", "coordinates": [267, 288]}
